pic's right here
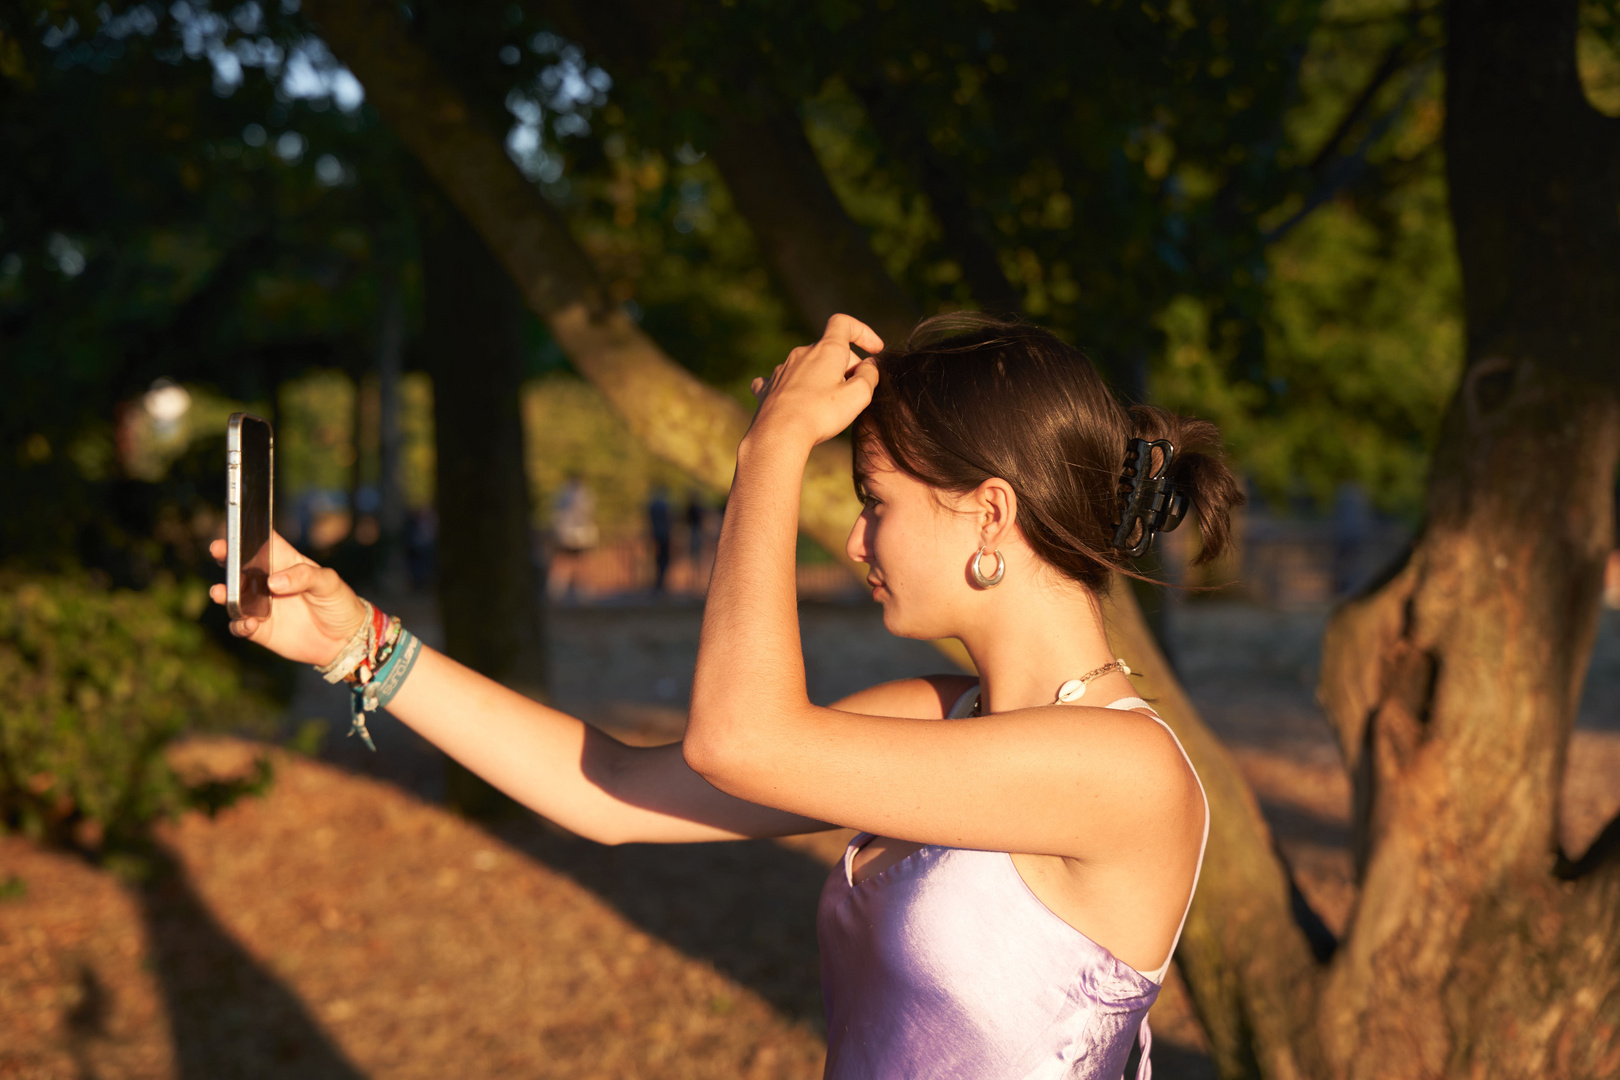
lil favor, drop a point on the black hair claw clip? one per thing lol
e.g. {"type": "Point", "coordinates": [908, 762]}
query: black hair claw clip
{"type": "Point", "coordinates": [1150, 498]}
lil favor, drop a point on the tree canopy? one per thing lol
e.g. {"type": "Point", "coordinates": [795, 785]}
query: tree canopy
{"type": "Point", "coordinates": [1238, 212]}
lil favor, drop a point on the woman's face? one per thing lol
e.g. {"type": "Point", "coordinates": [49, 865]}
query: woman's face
{"type": "Point", "coordinates": [917, 545]}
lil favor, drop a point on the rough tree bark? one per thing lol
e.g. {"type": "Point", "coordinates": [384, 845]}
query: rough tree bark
{"type": "Point", "coordinates": [1476, 948]}
{"type": "Point", "coordinates": [1249, 996]}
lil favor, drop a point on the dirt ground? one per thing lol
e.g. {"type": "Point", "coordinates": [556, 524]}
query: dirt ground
{"type": "Point", "coordinates": [345, 925]}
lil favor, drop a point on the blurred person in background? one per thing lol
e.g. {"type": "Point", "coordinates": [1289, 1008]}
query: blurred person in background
{"type": "Point", "coordinates": [574, 534]}
{"type": "Point", "coordinates": [697, 540]}
{"type": "Point", "coordinates": [1030, 839]}
{"type": "Point", "coordinates": [661, 527]}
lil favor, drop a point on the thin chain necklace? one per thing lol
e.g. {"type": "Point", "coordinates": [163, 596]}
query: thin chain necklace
{"type": "Point", "coordinates": [1074, 689]}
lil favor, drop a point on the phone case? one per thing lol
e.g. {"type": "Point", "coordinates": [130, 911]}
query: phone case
{"type": "Point", "coordinates": [233, 507]}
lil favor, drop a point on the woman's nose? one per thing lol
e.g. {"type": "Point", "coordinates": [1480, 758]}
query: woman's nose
{"type": "Point", "coordinates": [856, 546]}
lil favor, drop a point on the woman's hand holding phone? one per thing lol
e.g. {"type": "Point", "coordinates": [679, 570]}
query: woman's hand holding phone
{"type": "Point", "coordinates": [313, 612]}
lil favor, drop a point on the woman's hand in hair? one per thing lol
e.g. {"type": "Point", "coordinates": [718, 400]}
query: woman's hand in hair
{"type": "Point", "coordinates": [313, 612]}
{"type": "Point", "coordinates": [819, 389]}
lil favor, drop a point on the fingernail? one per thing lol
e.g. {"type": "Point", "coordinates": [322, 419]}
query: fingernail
{"type": "Point", "coordinates": [278, 581]}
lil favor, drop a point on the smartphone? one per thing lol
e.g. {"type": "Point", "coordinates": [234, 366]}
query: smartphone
{"type": "Point", "coordinates": [250, 463]}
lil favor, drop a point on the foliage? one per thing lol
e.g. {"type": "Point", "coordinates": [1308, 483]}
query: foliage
{"type": "Point", "coordinates": [1363, 350]}
{"type": "Point", "coordinates": [162, 220]}
{"type": "Point", "coordinates": [1237, 209]}
{"type": "Point", "coordinates": [1201, 198]}
{"type": "Point", "coordinates": [94, 684]}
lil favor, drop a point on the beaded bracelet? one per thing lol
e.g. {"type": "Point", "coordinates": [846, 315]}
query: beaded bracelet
{"type": "Point", "coordinates": [374, 662]}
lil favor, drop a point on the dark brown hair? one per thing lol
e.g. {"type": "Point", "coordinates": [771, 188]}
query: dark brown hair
{"type": "Point", "coordinates": [970, 397]}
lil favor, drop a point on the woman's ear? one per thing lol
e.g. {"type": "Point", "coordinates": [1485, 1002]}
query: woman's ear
{"type": "Point", "coordinates": [996, 507]}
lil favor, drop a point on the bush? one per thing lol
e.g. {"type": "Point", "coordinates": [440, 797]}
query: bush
{"type": "Point", "coordinates": [94, 684]}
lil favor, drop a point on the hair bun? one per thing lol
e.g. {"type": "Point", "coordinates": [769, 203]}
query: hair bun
{"type": "Point", "coordinates": [1199, 471]}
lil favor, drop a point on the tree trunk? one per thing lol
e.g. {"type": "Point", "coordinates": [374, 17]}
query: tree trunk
{"type": "Point", "coordinates": [1248, 966]}
{"type": "Point", "coordinates": [390, 443]}
{"type": "Point", "coordinates": [1475, 947]}
{"type": "Point", "coordinates": [489, 591]}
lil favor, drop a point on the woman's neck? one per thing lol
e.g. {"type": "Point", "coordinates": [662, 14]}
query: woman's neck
{"type": "Point", "coordinates": [1028, 642]}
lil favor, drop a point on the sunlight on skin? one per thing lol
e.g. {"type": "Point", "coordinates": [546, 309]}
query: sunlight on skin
{"type": "Point", "coordinates": [1084, 800]}
{"type": "Point", "coordinates": [1103, 803]}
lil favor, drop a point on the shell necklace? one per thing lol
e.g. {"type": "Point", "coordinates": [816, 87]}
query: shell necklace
{"type": "Point", "coordinates": [1074, 689]}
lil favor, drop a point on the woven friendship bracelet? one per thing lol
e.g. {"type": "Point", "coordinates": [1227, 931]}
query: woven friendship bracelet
{"type": "Point", "coordinates": [359, 646]}
{"type": "Point", "coordinates": [363, 697]}
{"type": "Point", "coordinates": [394, 662]}
{"type": "Point", "coordinates": [387, 682]}
{"type": "Point", "coordinates": [374, 662]}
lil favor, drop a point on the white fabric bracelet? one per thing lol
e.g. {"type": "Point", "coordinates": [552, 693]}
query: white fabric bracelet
{"type": "Point", "coordinates": [357, 649]}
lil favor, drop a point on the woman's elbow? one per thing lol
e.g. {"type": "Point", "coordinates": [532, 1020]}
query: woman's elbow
{"type": "Point", "coordinates": [717, 751]}
{"type": "Point", "coordinates": [705, 754]}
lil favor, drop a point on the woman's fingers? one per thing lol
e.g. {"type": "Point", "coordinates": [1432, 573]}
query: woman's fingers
{"type": "Point", "coordinates": [218, 550]}
{"type": "Point", "coordinates": [848, 330]}
{"type": "Point", "coordinates": [305, 577]}
{"type": "Point", "coordinates": [865, 372]}
{"type": "Point", "coordinates": [858, 387]}
{"type": "Point", "coordinates": [284, 555]}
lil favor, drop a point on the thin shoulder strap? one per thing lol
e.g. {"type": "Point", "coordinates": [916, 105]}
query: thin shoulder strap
{"type": "Point", "coordinates": [964, 704]}
{"type": "Point", "coordinates": [1137, 703]}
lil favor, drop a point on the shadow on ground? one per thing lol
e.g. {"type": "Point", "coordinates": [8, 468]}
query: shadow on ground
{"type": "Point", "coordinates": [229, 1017]}
{"type": "Point", "coordinates": [746, 907]}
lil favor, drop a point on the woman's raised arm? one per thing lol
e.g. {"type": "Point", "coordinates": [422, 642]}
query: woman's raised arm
{"type": "Point", "coordinates": [1070, 782]}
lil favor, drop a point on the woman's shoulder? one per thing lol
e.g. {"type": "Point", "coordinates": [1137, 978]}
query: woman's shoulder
{"type": "Point", "coordinates": [927, 697]}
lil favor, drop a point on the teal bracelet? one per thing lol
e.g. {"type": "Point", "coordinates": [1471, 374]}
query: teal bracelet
{"type": "Point", "coordinates": [392, 676]}
{"type": "Point", "coordinates": [378, 687]}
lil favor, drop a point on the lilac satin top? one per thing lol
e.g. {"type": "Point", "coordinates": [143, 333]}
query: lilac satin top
{"type": "Point", "coordinates": [947, 965]}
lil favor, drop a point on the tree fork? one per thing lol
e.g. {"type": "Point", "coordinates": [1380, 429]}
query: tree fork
{"type": "Point", "coordinates": [1476, 947]}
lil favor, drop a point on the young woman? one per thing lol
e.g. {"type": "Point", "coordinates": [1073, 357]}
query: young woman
{"type": "Point", "coordinates": [1031, 839]}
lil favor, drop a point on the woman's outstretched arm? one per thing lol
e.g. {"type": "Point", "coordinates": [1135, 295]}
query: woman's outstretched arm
{"type": "Point", "coordinates": [580, 777]}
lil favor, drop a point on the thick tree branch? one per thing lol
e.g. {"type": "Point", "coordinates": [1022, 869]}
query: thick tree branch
{"type": "Point", "coordinates": [1341, 172]}
{"type": "Point", "coordinates": [1394, 59]}
{"type": "Point", "coordinates": [820, 256]}
{"type": "Point", "coordinates": [668, 409]}
{"type": "Point", "coordinates": [1248, 964]}
{"type": "Point", "coordinates": [967, 233]}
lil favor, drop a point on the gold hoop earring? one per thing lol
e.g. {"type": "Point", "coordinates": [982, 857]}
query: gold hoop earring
{"type": "Point", "coordinates": [978, 575]}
